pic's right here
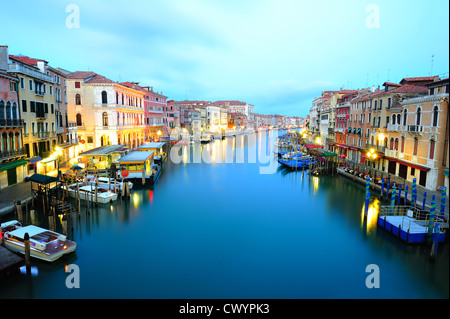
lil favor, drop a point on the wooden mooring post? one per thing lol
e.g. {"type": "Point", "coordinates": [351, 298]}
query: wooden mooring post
{"type": "Point", "coordinates": [26, 241]}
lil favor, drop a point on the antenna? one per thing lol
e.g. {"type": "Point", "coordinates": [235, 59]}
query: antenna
{"type": "Point", "coordinates": [432, 60]}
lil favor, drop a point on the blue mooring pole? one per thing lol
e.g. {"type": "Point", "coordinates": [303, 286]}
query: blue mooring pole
{"type": "Point", "coordinates": [424, 200]}
{"type": "Point", "coordinates": [399, 193]}
{"type": "Point", "coordinates": [382, 186]}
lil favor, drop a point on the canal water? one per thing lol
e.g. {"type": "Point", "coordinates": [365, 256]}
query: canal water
{"type": "Point", "coordinates": [229, 226]}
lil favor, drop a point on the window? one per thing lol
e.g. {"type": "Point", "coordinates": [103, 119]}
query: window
{"type": "Point", "coordinates": [30, 82]}
{"type": "Point", "coordinates": [393, 119]}
{"type": "Point", "coordinates": [435, 116]}
{"type": "Point", "coordinates": [396, 144]}
{"type": "Point", "coordinates": [105, 118]}
{"type": "Point", "coordinates": [24, 105]}
{"type": "Point", "coordinates": [79, 120]}
{"type": "Point", "coordinates": [77, 85]}
{"type": "Point", "coordinates": [418, 116]}
{"type": "Point", "coordinates": [416, 146]}
{"type": "Point", "coordinates": [52, 108]}
{"type": "Point", "coordinates": [104, 97]}
{"type": "Point", "coordinates": [389, 102]}
{"type": "Point", "coordinates": [77, 99]}
{"type": "Point", "coordinates": [413, 171]}
{"type": "Point", "coordinates": [391, 144]}
{"type": "Point", "coordinates": [381, 104]}
{"type": "Point", "coordinates": [15, 111]}
{"type": "Point", "coordinates": [51, 89]}
{"type": "Point", "coordinates": [398, 119]}
{"type": "Point", "coordinates": [22, 83]}
{"type": "Point", "coordinates": [32, 106]}
{"type": "Point", "coordinates": [405, 117]}
{"type": "Point", "coordinates": [403, 145]}
{"type": "Point", "coordinates": [90, 140]}
{"type": "Point", "coordinates": [432, 145]}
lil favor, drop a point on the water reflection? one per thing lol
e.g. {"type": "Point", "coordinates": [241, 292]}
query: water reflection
{"type": "Point", "coordinates": [369, 222]}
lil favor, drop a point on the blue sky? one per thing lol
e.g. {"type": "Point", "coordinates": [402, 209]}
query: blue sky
{"type": "Point", "coordinates": [276, 55]}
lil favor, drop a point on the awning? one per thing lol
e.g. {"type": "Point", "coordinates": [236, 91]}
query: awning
{"type": "Point", "coordinates": [329, 154]}
{"type": "Point", "coordinates": [354, 130]}
{"type": "Point", "coordinates": [35, 159]}
{"type": "Point", "coordinates": [340, 145]}
{"type": "Point", "coordinates": [313, 146]}
{"type": "Point", "coordinates": [359, 131]}
{"type": "Point", "coordinates": [43, 179]}
{"type": "Point", "coordinates": [349, 129]}
{"type": "Point", "coordinates": [12, 164]}
{"type": "Point", "coordinates": [419, 167]}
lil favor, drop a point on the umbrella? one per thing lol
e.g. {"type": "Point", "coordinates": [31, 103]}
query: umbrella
{"type": "Point", "coordinates": [76, 167]}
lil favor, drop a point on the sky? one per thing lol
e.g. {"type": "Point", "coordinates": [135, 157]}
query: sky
{"type": "Point", "coordinates": [276, 55]}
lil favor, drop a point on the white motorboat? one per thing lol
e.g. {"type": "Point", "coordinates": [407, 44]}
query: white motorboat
{"type": "Point", "coordinates": [206, 138]}
{"type": "Point", "coordinates": [106, 183]}
{"type": "Point", "coordinates": [87, 192]}
{"type": "Point", "coordinates": [44, 244]}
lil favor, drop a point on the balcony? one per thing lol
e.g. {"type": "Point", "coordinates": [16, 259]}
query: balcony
{"type": "Point", "coordinates": [39, 93]}
{"type": "Point", "coordinates": [13, 153]}
{"type": "Point", "coordinates": [30, 71]}
{"type": "Point", "coordinates": [41, 135]}
{"type": "Point", "coordinates": [379, 148]}
{"type": "Point", "coordinates": [392, 153]}
{"type": "Point", "coordinates": [393, 127]}
{"type": "Point", "coordinates": [11, 123]}
{"type": "Point", "coordinates": [59, 130]}
{"type": "Point", "coordinates": [414, 128]}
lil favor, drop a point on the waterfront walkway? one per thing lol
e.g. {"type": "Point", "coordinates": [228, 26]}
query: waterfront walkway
{"type": "Point", "coordinates": [17, 192]}
{"type": "Point", "coordinates": [420, 191]}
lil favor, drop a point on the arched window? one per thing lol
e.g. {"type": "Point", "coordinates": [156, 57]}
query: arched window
{"type": "Point", "coordinates": [391, 144]}
{"type": "Point", "coordinates": [396, 144]}
{"type": "Point", "coordinates": [123, 99]}
{"type": "Point", "coordinates": [8, 110]}
{"type": "Point", "coordinates": [15, 113]}
{"type": "Point", "coordinates": [418, 116]}
{"type": "Point", "coordinates": [77, 99]}
{"type": "Point", "coordinates": [432, 146]}
{"type": "Point", "coordinates": [2, 110]}
{"type": "Point", "coordinates": [117, 98]}
{"type": "Point", "coordinates": [405, 117]}
{"type": "Point", "coordinates": [435, 116]}
{"type": "Point", "coordinates": [393, 119]}
{"type": "Point", "coordinates": [79, 120]}
{"type": "Point", "coordinates": [104, 97]}
{"type": "Point", "coordinates": [398, 119]}
{"type": "Point", "coordinates": [403, 144]}
{"type": "Point", "coordinates": [105, 119]}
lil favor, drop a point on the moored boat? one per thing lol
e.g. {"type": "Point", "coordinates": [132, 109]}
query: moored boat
{"type": "Point", "coordinates": [87, 192]}
{"type": "Point", "coordinates": [44, 244]}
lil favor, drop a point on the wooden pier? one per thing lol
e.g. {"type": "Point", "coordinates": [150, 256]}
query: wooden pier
{"type": "Point", "coordinates": [9, 261]}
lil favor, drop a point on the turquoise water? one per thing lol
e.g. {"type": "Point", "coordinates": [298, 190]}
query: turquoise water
{"type": "Point", "coordinates": [224, 230]}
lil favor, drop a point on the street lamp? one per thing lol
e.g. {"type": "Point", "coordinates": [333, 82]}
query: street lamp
{"type": "Point", "coordinates": [371, 155]}
{"type": "Point", "coordinates": [56, 154]}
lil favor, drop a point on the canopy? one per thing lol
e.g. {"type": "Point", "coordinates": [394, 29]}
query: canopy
{"type": "Point", "coordinates": [136, 157]}
{"type": "Point", "coordinates": [313, 146]}
{"type": "Point", "coordinates": [42, 179]}
{"type": "Point", "coordinates": [13, 164]}
{"type": "Point", "coordinates": [152, 146]}
{"type": "Point", "coordinates": [329, 154]}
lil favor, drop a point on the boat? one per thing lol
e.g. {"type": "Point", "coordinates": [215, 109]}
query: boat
{"type": "Point", "coordinates": [44, 244]}
{"type": "Point", "coordinates": [206, 138]}
{"type": "Point", "coordinates": [297, 163]}
{"type": "Point", "coordinates": [106, 183]}
{"type": "Point", "coordinates": [87, 192]}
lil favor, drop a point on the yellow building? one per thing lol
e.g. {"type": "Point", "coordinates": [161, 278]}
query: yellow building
{"type": "Point", "coordinates": [418, 137]}
{"type": "Point", "coordinates": [105, 112]}
{"type": "Point", "coordinates": [37, 106]}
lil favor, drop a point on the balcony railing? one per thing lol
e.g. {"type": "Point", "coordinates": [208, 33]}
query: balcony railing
{"type": "Point", "coordinates": [415, 128]}
{"type": "Point", "coordinates": [30, 71]}
{"type": "Point", "coordinates": [41, 134]}
{"type": "Point", "coordinates": [13, 153]}
{"type": "Point", "coordinates": [11, 123]}
{"type": "Point", "coordinates": [379, 148]}
{"type": "Point", "coordinates": [393, 127]}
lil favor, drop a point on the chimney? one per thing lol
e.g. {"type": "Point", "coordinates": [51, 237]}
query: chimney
{"type": "Point", "coordinates": [41, 66]}
{"type": "Point", "coordinates": [3, 57]}
{"type": "Point", "coordinates": [373, 88]}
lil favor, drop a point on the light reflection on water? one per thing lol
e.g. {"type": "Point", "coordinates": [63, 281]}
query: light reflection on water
{"type": "Point", "coordinates": [224, 230]}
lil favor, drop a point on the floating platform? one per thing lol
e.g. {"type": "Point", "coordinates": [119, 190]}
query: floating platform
{"type": "Point", "coordinates": [407, 224]}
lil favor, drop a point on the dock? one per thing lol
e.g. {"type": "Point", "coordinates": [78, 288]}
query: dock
{"type": "Point", "coordinates": [410, 224]}
{"type": "Point", "coordinates": [9, 261]}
